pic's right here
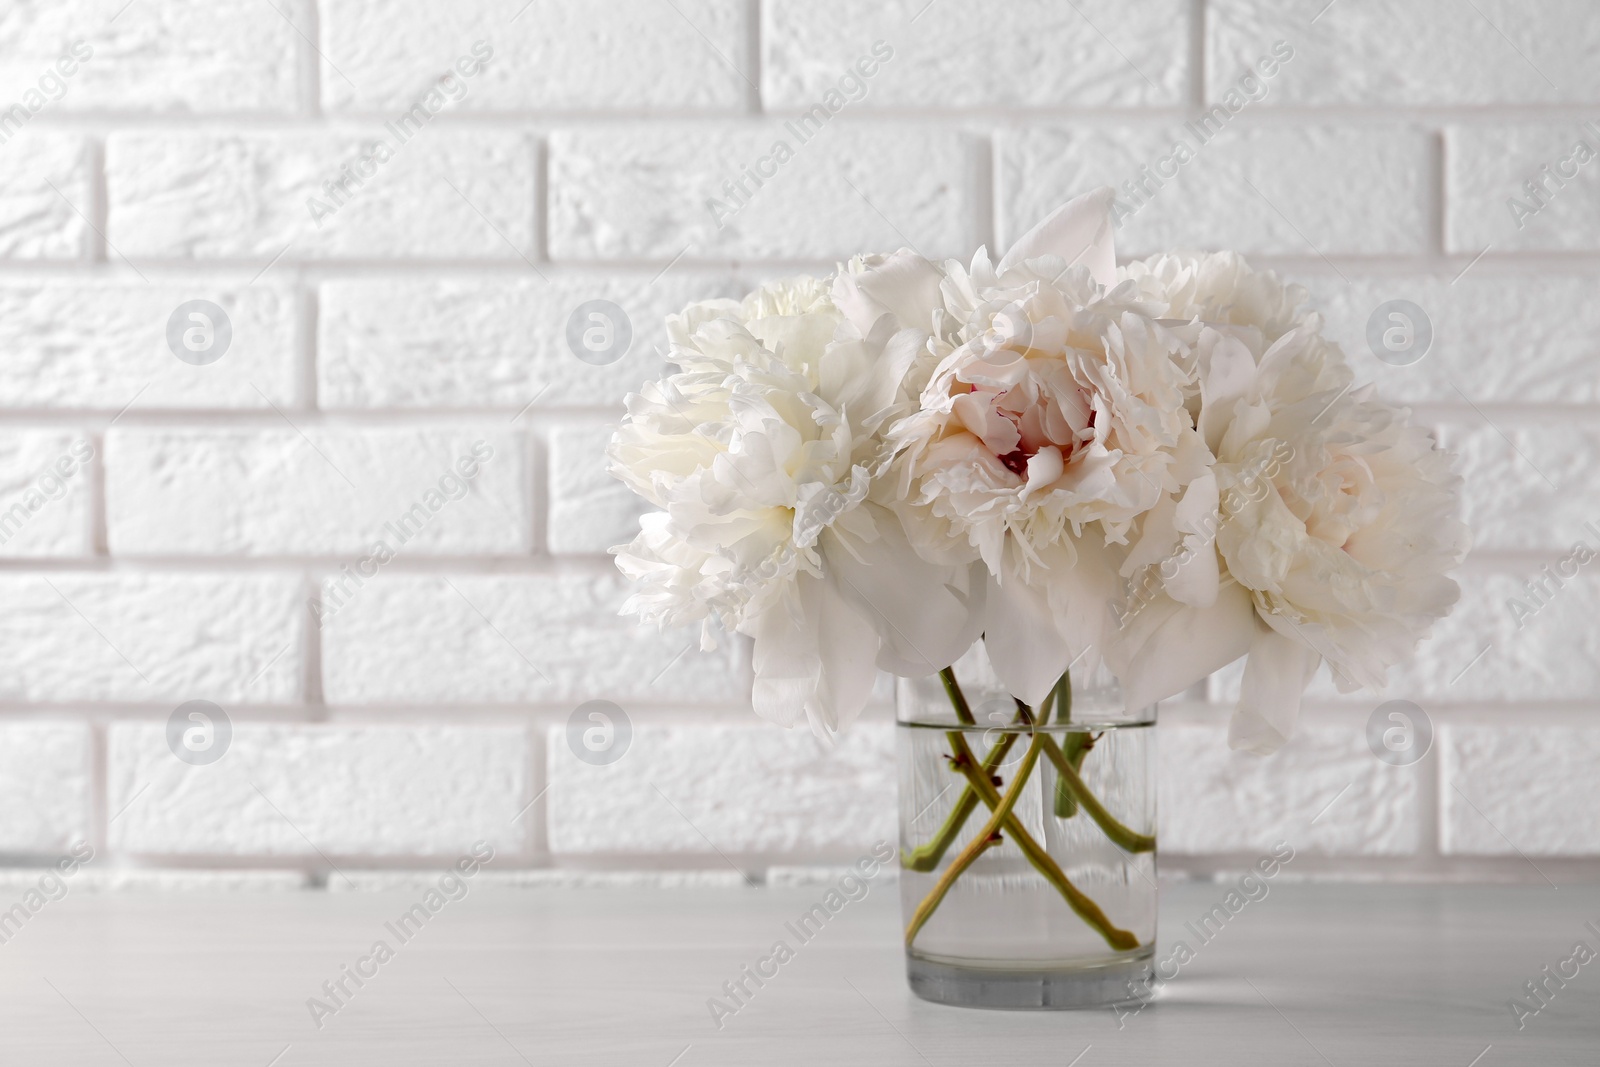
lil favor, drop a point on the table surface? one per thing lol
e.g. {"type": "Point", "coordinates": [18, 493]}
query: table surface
{"type": "Point", "coordinates": [1311, 974]}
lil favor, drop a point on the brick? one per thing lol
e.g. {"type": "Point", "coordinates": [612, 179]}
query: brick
{"type": "Point", "coordinates": [590, 511]}
{"type": "Point", "coordinates": [1419, 53]}
{"type": "Point", "coordinates": [511, 639]}
{"type": "Point", "coordinates": [490, 340]}
{"type": "Point", "coordinates": [946, 56]}
{"type": "Point", "coordinates": [36, 220]}
{"type": "Point", "coordinates": [1498, 337]}
{"type": "Point", "coordinates": [547, 878]}
{"type": "Point", "coordinates": [44, 787]}
{"type": "Point", "coordinates": [746, 788]}
{"type": "Point", "coordinates": [1213, 799]}
{"type": "Point", "coordinates": [1525, 789]}
{"type": "Point", "coordinates": [162, 638]}
{"type": "Point", "coordinates": [1550, 653]}
{"type": "Point", "coordinates": [103, 346]}
{"type": "Point", "coordinates": [301, 790]}
{"type": "Point", "coordinates": [784, 877]}
{"type": "Point", "coordinates": [204, 195]}
{"type": "Point", "coordinates": [1487, 172]}
{"type": "Point", "coordinates": [179, 55]}
{"type": "Point", "coordinates": [1509, 505]}
{"type": "Point", "coordinates": [547, 55]}
{"type": "Point", "coordinates": [266, 492]}
{"type": "Point", "coordinates": [144, 880]}
{"type": "Point", "coordinates": [45, 490]}
{"type": "Point", "coordinates": [1352, 190]}
{"type": "Point", "coordinates": [641, 192]}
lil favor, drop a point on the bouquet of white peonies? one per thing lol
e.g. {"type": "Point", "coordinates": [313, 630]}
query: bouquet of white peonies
{"type": "Point", "coordinates": [1159, 468]}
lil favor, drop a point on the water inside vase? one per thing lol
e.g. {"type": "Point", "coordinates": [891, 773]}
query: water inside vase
{"type": "Point", "coordinates": [1002, 912]}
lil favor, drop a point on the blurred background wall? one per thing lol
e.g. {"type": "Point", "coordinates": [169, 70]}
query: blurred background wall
{"type": "Point", "coordinates": [282, 280]}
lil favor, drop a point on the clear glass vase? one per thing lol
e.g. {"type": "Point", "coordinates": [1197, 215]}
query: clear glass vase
{"type": "Point", "coordinates": [1028, 863]}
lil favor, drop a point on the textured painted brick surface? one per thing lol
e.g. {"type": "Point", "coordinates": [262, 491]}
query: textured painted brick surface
{"type": "Point", "coordinates": [276, 492]}
{"type": "Point", "coordinates": [590, 511]}
{"type": "Point", "coordinates": [103, 346]}
{"type": "Point", "coordinates": [945, 54]}
{"type": "Point", "coordinates": [1323, 793]}
{"type": "Point", "coordinates": [1390, 53]}
{"type": "Point", "coordinates": [1487, 649]}
{"type": "Point", "coordinates": [45, 491]}
{"type": "Point", "coordinates": [95, 878]}
{"type": "Point", "coordinates": [550, 878]}
{"type": "Point", "coordinates": [1353, 190]}
{"type": "Point", "coordinates": [555, 55]}
{"type": "Point", "coordinates": [641, 192]}
{"type": "Point", "coordinates": [514, 638]}
{"type": "Point", "coordinates": [176, 55]}
{"type": "Point", "coordinates": [1498, 336]}
{"type": "Point", "coordinates": [1505, 464]}
{"type": "Point", "coordinates": [204, 195]}
{"type": "Point", "coordinates": [44, 786]}
{"type": "Point", "coordinates": [1528, 788]}
{"type": "Point", "coordinates": [194, 557]}
{"type": "Point", "coordinates": [44, 194]}
{"type": "Point", "coordinates": [490, 341]}
{"type": "Point", "coordinates": [750, 788]}
{"type": "Point", "coordinates": [300, 790]}
{"type": "Point", "coordinates": [150, 637]}
{"type": "Point", "coordinates": [1487, 173]}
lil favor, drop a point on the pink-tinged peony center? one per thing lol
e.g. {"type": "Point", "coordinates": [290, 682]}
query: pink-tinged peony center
{"type": "Point", "coordinates": [1016, 462]}
{"type": "Point", "coordinates": [1017, 423]}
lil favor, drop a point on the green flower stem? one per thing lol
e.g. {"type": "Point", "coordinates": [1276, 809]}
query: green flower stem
{"type": "Point", "coordinates": [1075, 747]}
{"type": "Point", "coordinates": [958, 699]}
{"type": "Point", "coordinates": [926, 857]}
{"type": "Point", "coordinates": [1125, 838]}
{"type": "Point", "coordinates": [1002, 818]}
{"type": "Point", "coordinates": [1066, 805]}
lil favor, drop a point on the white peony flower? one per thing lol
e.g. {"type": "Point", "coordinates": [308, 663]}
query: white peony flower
{"type": "Point", "coordinates": [760, 452]}
{"type": "Point", "coordinates": [1336, 524]}
{"type": "Point", "coordinates": [1052, 417]}
{"type": "Point", "coordinates": [1220, 289]}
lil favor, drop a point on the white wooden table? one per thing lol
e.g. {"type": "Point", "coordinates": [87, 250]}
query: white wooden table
{"type": "Point", "coordinates": [1313, 974]}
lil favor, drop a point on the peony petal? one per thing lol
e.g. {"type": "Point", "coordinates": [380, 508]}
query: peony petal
{"type": "Point", "coordinates": [847, 649]}
{"type": "Point", "coordinates": [1197, 578]}
{"type": "Point", "coordinates": [924, 615]}
{"type": "Point", "coordinates": [1080, 591]}
{"type": "Point", "coordinates": [1227, 370]}
{"type": "Point", "coordinates": [1044, 467]}
{"type": "Point", "coordinates": [1275, 676]}
{"type": "Point", "coordinates": [1020, 635]}
{"type": "Point", "coordinates": [785, 661]}
{"type": "Point", "coordinates": [904, 285]}
{"type": "Point", "coordinates": [1165, 647]}
{"type": "Point", "coordinates": [1078, 231]}
{"type": "Point", "coordinates": [813, 658]}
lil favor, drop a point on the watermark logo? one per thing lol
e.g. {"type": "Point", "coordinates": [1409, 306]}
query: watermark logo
{"type": "Point", "coordinates": [1399, 732]}
{"type": "Point", "coordinates": [599, 732]}
{"type": "Point", "coordinates": [199, 332]}
{"type": "Point", "coordinates": [599, 332]}
{"type": "Point", "coordinates": [199, 732]}
{"type": "Point", "coordinates": [1399, 333]}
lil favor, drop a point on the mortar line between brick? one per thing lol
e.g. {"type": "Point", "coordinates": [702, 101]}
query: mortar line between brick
{"type": "Point", "coordinates": [310, 65]}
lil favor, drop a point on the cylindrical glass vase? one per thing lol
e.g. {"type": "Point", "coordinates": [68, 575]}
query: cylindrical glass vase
{"type": "Point", "coordinates": [1028, 864]}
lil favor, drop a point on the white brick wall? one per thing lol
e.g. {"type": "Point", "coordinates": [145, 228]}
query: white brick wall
{"type": "Point", "coordinates": [215, 537]}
